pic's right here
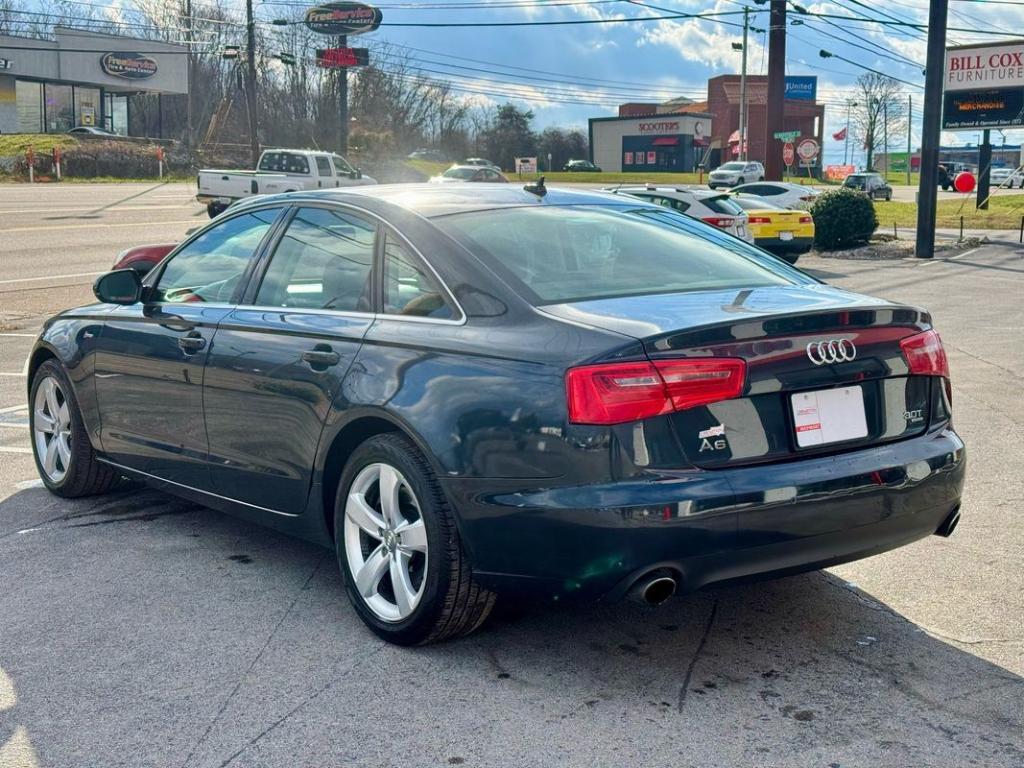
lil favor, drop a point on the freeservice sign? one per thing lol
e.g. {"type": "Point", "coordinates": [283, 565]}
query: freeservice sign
{"type": "Point", "coordinates": [130, 66]}
{"type": "Point", "coordinates": [343, 18]}
{"type": "Point", "coordinates": [802, 87]}
{"type": "Point", "coordinates": [984, 86]}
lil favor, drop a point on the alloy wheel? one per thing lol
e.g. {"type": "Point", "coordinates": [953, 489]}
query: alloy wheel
{"type": "Point", "coordinates": [385, 542]}
{"type": "Point", "coordinates": [51, 429]}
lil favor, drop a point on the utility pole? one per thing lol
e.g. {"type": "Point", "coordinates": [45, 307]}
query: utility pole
{"type": "Point", "coordinates": [743, 87]}
{"type": "Point", "coordinates": [250, 82]}
{"type": "Point", "coordinates": [189, 67]}
{"type": "Point", "coordinates": [885, 135]}
{"type": "Point", "coordinates": [910, 121]}
{"type": "Point", "coordinates": [776, 90]}
{"type": "Point", "coordinates": [931, 128]}
{"type": "Point", "coordinates": [343, 101]}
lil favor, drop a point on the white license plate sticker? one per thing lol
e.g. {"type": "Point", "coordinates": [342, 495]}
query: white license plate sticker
{"type": "Point", "coordinates": [829, 416]}
{"type": "Point", "coordinates": [785, 235]}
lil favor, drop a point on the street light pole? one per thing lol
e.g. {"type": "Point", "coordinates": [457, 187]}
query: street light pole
{"type": "Point", "coordinates": [775, 108]}
{"type": "Point", "coordinates": [846, 145]}
{"type": "Point", "coordinates": [910, 121]}
{"type": "Point", "coordinates": [343, 101]}
{"type": "Point", "coordinates": [743, 87]}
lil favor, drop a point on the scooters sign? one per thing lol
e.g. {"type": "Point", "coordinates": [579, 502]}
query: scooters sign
{"type": "Point", "coordinates": [343, 18]}
{"type": "Point", "coordinates": [130, 66]}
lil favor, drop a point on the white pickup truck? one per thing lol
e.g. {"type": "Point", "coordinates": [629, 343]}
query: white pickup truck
{"type": "Point", "coordinates": [279, 170]}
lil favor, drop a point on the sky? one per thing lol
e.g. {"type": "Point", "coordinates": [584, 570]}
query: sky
{"type": "Point", "coordinates": [609, 63]}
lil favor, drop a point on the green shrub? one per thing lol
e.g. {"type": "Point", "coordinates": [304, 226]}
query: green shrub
{"type": "Point", "coordinates": [843, 218]}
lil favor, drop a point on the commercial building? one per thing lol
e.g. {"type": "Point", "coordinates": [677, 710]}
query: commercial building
{"type": "Point", "coordinates": [83, 78]}
{"type": "Point", "coordinates": [671, 143]}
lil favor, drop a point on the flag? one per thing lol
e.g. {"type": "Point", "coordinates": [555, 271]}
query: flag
{"type": "Point", "coordinates": [840, 136]}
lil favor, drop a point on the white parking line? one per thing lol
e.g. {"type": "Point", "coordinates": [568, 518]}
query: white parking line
{"type": "Point", "coordinates": [20, 335]}
{"type": "Point", "coordinates": [14, 408]}
{"type": "Point", "coordinates": [14, 449]}
{"type": "Point", "coordinates": [48, 277]}
{"type": "Point", "coordinates": [111, 209]}
{"type": "Point", "coordinates": [16, 425]}
{"type": "Point", "coordinates": [19, 374]}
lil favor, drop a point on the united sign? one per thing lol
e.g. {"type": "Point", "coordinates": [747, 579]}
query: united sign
{"type": "Point", "coordinates": [343, 18]}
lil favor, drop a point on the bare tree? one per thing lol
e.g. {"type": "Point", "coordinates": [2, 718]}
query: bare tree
{"type": "Point", "coordinates": [879, 120]}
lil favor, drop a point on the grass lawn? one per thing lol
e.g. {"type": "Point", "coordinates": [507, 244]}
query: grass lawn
{"type": "Point", "coordinates": [1004, 212]}
{"type": "Point", "coordinates": [42, 143]}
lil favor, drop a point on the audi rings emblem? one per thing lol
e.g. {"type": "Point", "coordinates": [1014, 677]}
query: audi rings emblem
{"type": "Point", "coordinates": [831, 351]}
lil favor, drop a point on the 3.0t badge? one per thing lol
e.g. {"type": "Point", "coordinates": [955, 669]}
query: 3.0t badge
{"type": "Point", "coordinates": [831, 351]}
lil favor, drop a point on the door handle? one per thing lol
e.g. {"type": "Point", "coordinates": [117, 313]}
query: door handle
{"type": "Point", "coordinates": [321, 357]}
{"type": "Point", "coordinates": [191, 343]}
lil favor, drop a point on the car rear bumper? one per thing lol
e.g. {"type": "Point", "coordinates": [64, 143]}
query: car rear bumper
{"type": "Point", "coordinates": [775, 245]}
{"type": "Point", "coordinates": [707, 527]}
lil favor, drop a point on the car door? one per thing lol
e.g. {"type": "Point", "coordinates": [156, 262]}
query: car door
{"type": "Point", "coordinates": [282, 353]}
{"type": "Point", "coordinates": [151, 356]}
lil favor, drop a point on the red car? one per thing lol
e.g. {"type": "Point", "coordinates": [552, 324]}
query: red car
{"type": "Point", "coordinates": [142, 258]}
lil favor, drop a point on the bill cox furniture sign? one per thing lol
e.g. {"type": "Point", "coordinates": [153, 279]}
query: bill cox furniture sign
{"type": "Point", "coordinates": [984, 86]}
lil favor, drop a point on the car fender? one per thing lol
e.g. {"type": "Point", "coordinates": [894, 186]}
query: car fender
{"type": "Point", "coordinates": [71, 338]}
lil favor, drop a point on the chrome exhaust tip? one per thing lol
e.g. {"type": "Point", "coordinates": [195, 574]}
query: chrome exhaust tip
{"type": "Point", "coordinates": [654, 588]}
{"type": "Point", "coordinates": [949, 524]}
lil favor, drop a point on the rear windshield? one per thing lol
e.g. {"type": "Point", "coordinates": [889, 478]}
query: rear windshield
{"type": "Point", "coordinates": [733, 167]}
{"type": "Point", "coordinates": [284, 162]}
{"type": "Point", "coordinates": [721, 204]}
{"type": "Point", "coordinates": [558, 254]}
{"type": "Point", "coordinates": [461, 173]}
{"type": "Point", "coordinates": [755, 203]}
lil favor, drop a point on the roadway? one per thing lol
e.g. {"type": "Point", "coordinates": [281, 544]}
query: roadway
{"type": "Point", "coordinates": [139, 630]}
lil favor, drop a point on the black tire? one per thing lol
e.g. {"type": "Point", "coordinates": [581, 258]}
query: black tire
{"type": "Point", "coordinates": [740, 180]}
{"type": "Point", "coordinates": [888, 197]}
{"type": "Point", "coordinates": [452, 603]}
{"type": "Point", "coordinates": [84, 475]}
{"type": "Point", "coordinates": [214, 210]}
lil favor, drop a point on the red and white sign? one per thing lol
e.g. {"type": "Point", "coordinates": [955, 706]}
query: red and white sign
{"type": "Point", "coordinates": [659, 126]}
{"type": "Point", "coordinates": [652, 158]}
{"type": "Point", "coordinates": [807, 150]}
{"type": "Point", "coordinates": [788, 153]}
{"type": "Point", "coordinates": [989, 65]}
{"type": "Point", "coordinates": [627, 158]}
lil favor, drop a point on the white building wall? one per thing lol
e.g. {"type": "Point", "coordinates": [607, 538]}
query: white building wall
{"type": "Point", "coordinates": [607, 135]}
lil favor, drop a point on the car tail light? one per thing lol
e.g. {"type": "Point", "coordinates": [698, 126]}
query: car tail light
{"type": "Point", "coordinates": [925, 354]}
{"type": "Point", "coordinates": [614, 393]}
{"type": "Point", "coordinates": [806, 219]}
{"type": "Point", "coordinates": [720, 221]}
{"type": "Point", "coordinates": [759, 220]}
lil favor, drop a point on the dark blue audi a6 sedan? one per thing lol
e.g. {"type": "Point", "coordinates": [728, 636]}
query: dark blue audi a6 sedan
{"type": "Point", "coordinates": [474, 389]}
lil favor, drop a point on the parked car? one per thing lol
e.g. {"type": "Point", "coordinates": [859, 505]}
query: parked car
{"type": "Point", "coordinates": [279, 170]}
{"type": "Point", "coordinates": [142, 258]}
{"type": "Point", "coordinates": [481, 161]}
{"type": "Point", "coordinates": [783, 193]}
{"type": "Point", "coordinates": [947, 173]}
{"type": "Point", "coordinates": [91, 130]}
{"type": "Point", "coordinates": [581, 166]}
{"type": "Point", "coordinates": [734, 173]}
{"type": "Point", "coordinates": [433, 155]}
{"type": "Point", "coordinates": [715, 208]}
{"type": "Point", "coordinates": [470, 390]}
{"type": "Point", "coordinates": [782, 231]}
{"type": "Point", "coordinates": [1006, 177]}
{"type": "Point", "coordinates": [871, 184]}
{"type": "Point", "coordinates": [461, 173]}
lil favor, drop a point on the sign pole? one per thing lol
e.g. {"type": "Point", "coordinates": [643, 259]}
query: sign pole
{"type": "Point", "coordinates": [984, 168]}
{"type": "Point", "coordinates": [775, 107]}
{"type": "Point", "coordinates": [910, 121]}
{"type": "Point", "coordinates": [743, 87]}
{"type": "Point", "coordinates": [250, 82]}
{"type": "Point", "coordinates": [931, 129]}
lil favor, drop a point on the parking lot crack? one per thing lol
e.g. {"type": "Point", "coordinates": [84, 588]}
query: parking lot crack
{"type": "Point", "coordinates": [696, 656]}
{"type": "Point", "coordinates": [252, 664]}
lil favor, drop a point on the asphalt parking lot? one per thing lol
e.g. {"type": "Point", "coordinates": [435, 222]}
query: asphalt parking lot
{"type": "Point", "coordinates": [140, 630]}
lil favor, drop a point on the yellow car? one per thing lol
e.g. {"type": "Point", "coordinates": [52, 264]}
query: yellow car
{"type": "Point", "coordinates": [782, 231]}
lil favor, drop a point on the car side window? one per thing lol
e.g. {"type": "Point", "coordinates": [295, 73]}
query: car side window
{"type": "Point", "coordinates": [410, 289]}
{"type": "Point", "coordinates": [323, 166]}
{"type": "Point", "coordinates": [323, 261]}
{"type": "Point", "coordinates": [210, 267]}
{"type": "Point", "coordinates": [667, 202]}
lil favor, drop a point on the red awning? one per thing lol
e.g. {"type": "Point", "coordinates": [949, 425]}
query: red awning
{"type": "Point", "coordinates": [665, 141]}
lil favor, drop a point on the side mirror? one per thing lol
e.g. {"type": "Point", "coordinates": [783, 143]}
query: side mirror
{"type": "Point", "coordinates": [121, 286]}
{"type": "Point", "coordinates": [356, 174]}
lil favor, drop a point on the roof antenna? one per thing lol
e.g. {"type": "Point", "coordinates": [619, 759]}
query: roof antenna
{"type": "Point", "coordinates": [537, 189]}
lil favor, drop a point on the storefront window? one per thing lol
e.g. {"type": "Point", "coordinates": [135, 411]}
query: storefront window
{"type": "Point", "coordinates": [29, 97]}
{"type": "Point", "coordinates": [87, 106]}
{"type": "Point", "coordinates": [117, 114]}
{"type": "Point", "coordinates": [60, 110]}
